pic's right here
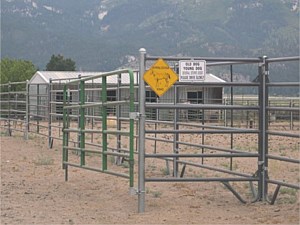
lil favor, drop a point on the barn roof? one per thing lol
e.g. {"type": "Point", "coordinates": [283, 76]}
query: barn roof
{"type": "Point", "coordinates": [61, 75]}
{"type": "Point", "coordinates": [212, 78]}
{"type": "Point", "coordinates": [44, 77]}
{"type": "Point", "coordinates": [41, 77]}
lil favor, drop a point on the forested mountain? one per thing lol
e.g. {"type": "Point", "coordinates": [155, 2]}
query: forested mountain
{"type": "Point", "coordinates": [106, 34]}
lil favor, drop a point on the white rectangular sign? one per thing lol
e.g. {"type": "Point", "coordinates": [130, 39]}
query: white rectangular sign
{"type": "Point", "coordinates": [192, 70]}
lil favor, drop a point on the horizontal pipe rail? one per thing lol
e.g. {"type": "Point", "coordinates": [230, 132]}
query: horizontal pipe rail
{"type": "Point", "coordinates": [56, 126]}
{"type": "Point", "coordinates": [112, 103]}
{"type": "Point", "coordinates": [16, 111]}
{"type": "Point", "coordinates": [283, 59]}
{"type": "Point", "coordinates": [38, 95]}
{"type": "Point", "coordinates": [210, 147]}
{"type": "Point", "coordinates": [201, 179]}
{"type": "Point", "coordinates": [233, 155]}
{"type": "Point", "coordinates": [11, 119]}
{"type": "Point", "coordinates": [284, 159]}
{"type": "Point", "coordinates": [226, 63]}
{"type": "Point", "coordinates": [84, 131]}
{"type": "Point", "coordinates": [216, 84]}
{"type": "Point", "coordinates": [283, 134]}
{"type": "Point", "coordinates": [96, 151]}
{"type": "Point", "coordinates": [98, 76]}
{"type": "Point", "coordinates": [13, 111]}
{"type": "Point", "coordinates": [289, 109]}
{"type": "Point", "coordinates": [283, 184]}
{"type": "Point", "coordinates": [12, 93]}
{"type": "Point", "coordinates": [39, 106]}
{"type": "Point", "coordinates": [198, 106]}
{"type": "Point", "coordinates": [125, 133]}
{"type": "Point", "coordinates": [60, 91]}
{"type": "Point", "coordinates": [13, 83]}
{"type": "Point", "coordinates": [97, 170]}
{"type": "Point", "coordinates": [283, 84]}
{"type": "Point", "coordinates": [240, 131]}
{"type": "Point", "coordinates": [13, 101]}
{"type": "Point", "coordinates": [40, 125]}
{"type": "Point", "coordinates": [62, 81]}
{"type": "Point", "coordinates": [37, 115]}
{"type": "Point", "coordinates": [210, 126]}
{"type": "Point", "coordinates": [58, 103]}
{"type": "Point", "coordinates": [208, 59]}
{"type": "Point", "coordinates": [216, 169]}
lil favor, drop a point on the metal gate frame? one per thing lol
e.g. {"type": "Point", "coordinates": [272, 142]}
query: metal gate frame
{"type": "Point", "coordinates": [262, 83]}
{"type": "Point", "coordinates": [13, 109]}
{"type": "Point", "coordinates": [81, 131]}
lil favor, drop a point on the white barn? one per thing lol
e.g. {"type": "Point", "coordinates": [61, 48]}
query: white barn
{"type": "Point", "coordinates": [46, 88]}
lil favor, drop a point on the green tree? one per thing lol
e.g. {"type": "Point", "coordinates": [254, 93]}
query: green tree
{"type": "Point", "coordinates": [59, 63]}
{"type": "Point", "coordinates": [13, 70]}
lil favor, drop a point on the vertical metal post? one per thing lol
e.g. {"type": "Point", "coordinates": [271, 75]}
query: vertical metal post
{"type": "Point", "coordinates": [225, 113]}
{"type": "Point", "coordinates": [50, 140]}
{"type": "Point", "coordinates": [202, 122]}
{"type": "Point", "coordinates": [176, 135]}
{"type": "Point", "coordinates": [93, 111]}
{"type": "Point", "coordinates": [141, 156]}
{"type": "Point", "coordinates": [131, 134]}
{"type": "Point", "coordinates": [65, 134]}
{"type": "Point", "coordinates": [82, 123]}
{"type": "Point", "coordinates": [16, 106]}
{"type": "Point", "coordinates": [118, 114]}
{"type": "Point", "coordinates": [37, 108]}
{"type": "Point", "coordinates": [156, 125]}
{"type": "Point", "coordinates": [9, 125]}
{"type": "Point", "coordinates": [231, 113]}
{"type": "Point", "coordinates": [266, 127]}
{"type": "Point", "coordinates": [262, 164]}
{"type": "Point", "coordinates": [104, 123]}
{"type": "Point", "coordinates": [291, 115]}
{"type": "Point", "coordinates": [78, 118]}
{"type": "Point", "coordinates": [136, 109]}
{"type": "Point", "coordinates": [27, 111]}
{"type": "Point", "coordinates": [58, 117]}
{"type": "Point", "coordinates": [260, 137]}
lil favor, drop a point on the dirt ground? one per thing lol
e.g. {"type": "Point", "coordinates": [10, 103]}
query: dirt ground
{"type": "Point", "coordinates": [33, 191]}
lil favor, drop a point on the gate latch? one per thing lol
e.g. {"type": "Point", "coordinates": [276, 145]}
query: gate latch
{"type": "Point", "coordinates": [134, 115]}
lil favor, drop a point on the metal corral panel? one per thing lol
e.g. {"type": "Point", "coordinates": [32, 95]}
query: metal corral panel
{"type": "Point", "coordinates": [65, 76]}
{"type": "Point", "coordinates": [38, 99]}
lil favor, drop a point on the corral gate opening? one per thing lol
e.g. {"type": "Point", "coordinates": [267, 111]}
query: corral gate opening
{"type": "Point", "coordinates": [79, 128]}
{"type": "Point", "coordinates": [199, 150]}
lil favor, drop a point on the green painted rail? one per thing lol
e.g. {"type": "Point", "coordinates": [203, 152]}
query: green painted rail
{"type": "Point", "coordinates": [81, 131]}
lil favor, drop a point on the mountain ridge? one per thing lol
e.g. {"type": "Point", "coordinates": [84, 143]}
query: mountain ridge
{"type": "Point", "coordinates": [104, 35]}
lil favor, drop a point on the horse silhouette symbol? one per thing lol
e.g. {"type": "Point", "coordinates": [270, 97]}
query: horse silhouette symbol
{"type": "Point", "coordinates": [162, 80]}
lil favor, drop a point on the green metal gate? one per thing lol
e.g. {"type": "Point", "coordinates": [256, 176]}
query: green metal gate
{"type": "Point", "coordinates": [78, 127]}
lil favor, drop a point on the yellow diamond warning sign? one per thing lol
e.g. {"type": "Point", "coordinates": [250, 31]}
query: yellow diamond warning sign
{"type": "Point", "coordinates": [160, 77]}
